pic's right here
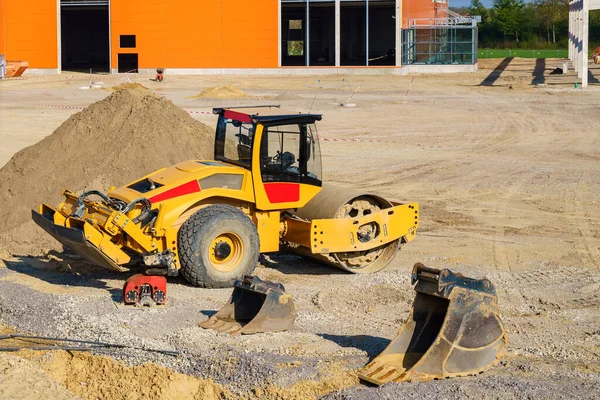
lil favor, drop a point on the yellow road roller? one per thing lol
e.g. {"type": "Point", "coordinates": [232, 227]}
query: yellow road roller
{"type": "Point", "coordinates": [210, 219]}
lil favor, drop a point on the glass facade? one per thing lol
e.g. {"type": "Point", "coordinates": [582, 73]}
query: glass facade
{"type": "Point", "coordinates": [367, 35]}
{"type": "Point", "coordinates": [450, 44]}
{"type": "Point", "coordinates": [367, 32]}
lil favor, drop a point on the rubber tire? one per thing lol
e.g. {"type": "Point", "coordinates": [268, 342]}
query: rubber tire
{"type": "Point", "coordinates": [194, 239]}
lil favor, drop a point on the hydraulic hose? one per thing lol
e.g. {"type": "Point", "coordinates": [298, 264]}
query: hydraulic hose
{"type": "Point", "coordinates": [146, 205]}
{"type": "Point", "coordinates": [81, 207]}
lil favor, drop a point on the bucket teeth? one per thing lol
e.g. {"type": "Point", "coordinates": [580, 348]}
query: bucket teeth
{"type": "Point", "coordinates": [454, 329]}
{"type": "Point", "coordinates": [221, 326]}
{"type": "Point", "coordinates": [380, 373]}
{"type": "Point", "coordinates": [254, 306]}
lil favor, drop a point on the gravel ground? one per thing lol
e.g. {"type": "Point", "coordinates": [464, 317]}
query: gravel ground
{"type": "Point", "coordinates": [508, 183]}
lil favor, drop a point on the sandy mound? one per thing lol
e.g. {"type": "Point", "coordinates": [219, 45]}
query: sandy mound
{"type": "Point", "coordinates": [22, 379]}
{"type": "Point", "coordinates": [112, 142]}
{"type": "Point", "coordinates": [223, 92]}
{"type": "Point", "coordinates": [516, 82]}
{"type": "Point", "coordinates": [100, 377]}
{"type": "Point", "coordinates": [126, 85]}
{"type": "Point", "coordinates": [288, 96]}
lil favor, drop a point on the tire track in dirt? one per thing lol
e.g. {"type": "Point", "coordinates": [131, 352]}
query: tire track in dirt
{"type": "Point", "coordinates": [499, 254]}
{"type": "Point", "coordinates": [588, 245]}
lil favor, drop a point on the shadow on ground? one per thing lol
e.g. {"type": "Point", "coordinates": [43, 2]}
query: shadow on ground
{"type": "Point", "coordinates": [372, 345]}
{"type": "Point", "coordinates": [495, 74]}
{"type": "Point", "coordinates": [538, 71]}
{"type": "Point", "coordinates": [62, 272]}
{"type": "Point", "coordinates": [208, 313]}
{"type": "Point", "coordinates": [292, 264]}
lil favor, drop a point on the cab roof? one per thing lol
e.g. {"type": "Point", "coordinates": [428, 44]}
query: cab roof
{"type": "Point", "coordinates": [266, 115]}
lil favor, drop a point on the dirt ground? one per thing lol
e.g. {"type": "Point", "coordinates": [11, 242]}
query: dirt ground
{"type": "Point", "coordinates": [505, 166]}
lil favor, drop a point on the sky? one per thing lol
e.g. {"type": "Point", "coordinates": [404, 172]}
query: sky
{"type": "Point", "coordinates": [466, 3]}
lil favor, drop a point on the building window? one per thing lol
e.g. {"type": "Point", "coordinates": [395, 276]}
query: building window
{"type": "Point", "coordinates": [296, 24]}
{"type": "Point", "coordinates": [128, 63]}
{"type": "Point", "coordinates": [441, 44]}
{"type": "Point", "coordinates": [127, 41]}
{"type": "Point", "coordinates": [295, 48]}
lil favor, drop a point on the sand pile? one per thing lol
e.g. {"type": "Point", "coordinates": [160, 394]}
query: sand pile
{"type": "Point", "coordinates": [516, 82]}
{"type": "Point", "coordinates": [126, 85]}
{"type": "Point", "coordinates": [66, 375]}
{"type": "Point", "coordinates": [288, 96]}
{"type": "Point", "coordinates": [223, 92]}
{"type": "Point", "coordinates": [112, 142]}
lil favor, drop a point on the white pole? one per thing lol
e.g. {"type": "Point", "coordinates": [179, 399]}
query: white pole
{"type": "Point", "coordinates": [579, 35]}
{"type": "Point", "coordinates": [398, 32]}
{"type": "Point", "coordinates": [367, 31]}
{"type": "Point", "coordinates": [307, 34]}
{"type": "Point", "coordinates": [337, 33]}
{"type": "Point", "coordinates": [279, 49]}
{"type": "Point", "coordinates": [584, 38]}
{"type": "Point", "coordinates": [58, 35]}
{"type": "Point", "coordinates": [578, 58]}
{"type": "Point", "coordinates": [570, 31]}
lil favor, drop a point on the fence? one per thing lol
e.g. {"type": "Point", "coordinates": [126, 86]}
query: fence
{"type": "Point", "coordinates": [523, 53]}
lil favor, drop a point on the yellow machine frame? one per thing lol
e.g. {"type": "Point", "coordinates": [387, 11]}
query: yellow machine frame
{"type": "Point", "coordinates": [115, 235]}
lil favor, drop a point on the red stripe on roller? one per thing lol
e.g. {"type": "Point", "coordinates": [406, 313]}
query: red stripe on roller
{"type": "Point", "coordinates": [282, 192]}
{"type": "Point", "coordinates": [237, 116]}
{"type": "Point", "coordinates": [186, 188]}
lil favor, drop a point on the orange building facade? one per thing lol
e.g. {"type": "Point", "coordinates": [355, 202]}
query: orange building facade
{"type": "Point", "coordinates": [204, 35]}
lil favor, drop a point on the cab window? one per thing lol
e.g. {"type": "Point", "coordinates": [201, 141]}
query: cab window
{"type": "Point", "coordinates": [234, 141]}
{"type": "Point", "coordinates": [290, 153]}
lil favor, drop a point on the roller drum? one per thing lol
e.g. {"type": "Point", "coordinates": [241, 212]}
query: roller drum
{"type": "Point", "coordinates": [339, 202]}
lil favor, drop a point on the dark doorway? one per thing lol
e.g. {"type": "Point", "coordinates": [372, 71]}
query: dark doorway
{"type": "Point", "coordinates": [84, 37]}
{"type": "Point", "coordinates": [322, 34]}
{"type": "Point", "coordinates": [382, 33]}
{"type": "Point", "coordinates": [353, 48]}
{"type": "Point", "coordinates": [128, 63]}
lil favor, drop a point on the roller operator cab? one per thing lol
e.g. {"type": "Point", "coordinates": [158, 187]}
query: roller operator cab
{"type": "Point", "coordinates": [281, 150]}
{"type": "Point", "coordinates": [210, 220]}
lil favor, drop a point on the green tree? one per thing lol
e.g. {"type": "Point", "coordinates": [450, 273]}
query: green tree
{"type": "Point", "coordinates": [549, 13]}
{"type": "Point", "coordinates": [477, 8]}
{"type": "Point", "coordinates": [508, 16]}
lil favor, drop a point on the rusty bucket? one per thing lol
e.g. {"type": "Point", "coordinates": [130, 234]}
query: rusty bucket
{"type": "Point", "coordinates": [453, 330]}
{"type": "Point", "coordinates": [255, 306]}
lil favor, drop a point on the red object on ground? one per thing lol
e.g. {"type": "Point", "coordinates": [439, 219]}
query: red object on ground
{"type": "Point", "coordinates": [145, 290]}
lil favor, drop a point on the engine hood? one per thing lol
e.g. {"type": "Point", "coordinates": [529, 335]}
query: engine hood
{"type": "Point", "coordinates": [177, 180]}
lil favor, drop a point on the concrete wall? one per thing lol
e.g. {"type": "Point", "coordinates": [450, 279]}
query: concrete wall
{"type": "Point", "coordinates": [315, 71]}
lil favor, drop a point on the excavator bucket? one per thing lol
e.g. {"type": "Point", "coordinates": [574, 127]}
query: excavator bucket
{"type": "Point", "coordinates": [454, 330]}
{"type": "Point", "coordinates": [255, 306]}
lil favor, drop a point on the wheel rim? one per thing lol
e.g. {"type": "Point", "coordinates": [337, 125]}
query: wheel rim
{"type": "Point", "coordinates": [226, 251]}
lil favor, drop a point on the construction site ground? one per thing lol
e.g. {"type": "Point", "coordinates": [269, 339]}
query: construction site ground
{"type": "Point", "coordinates": [505, 165]}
